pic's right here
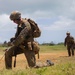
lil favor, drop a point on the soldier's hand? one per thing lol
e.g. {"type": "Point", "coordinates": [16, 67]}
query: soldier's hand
{"type": "Point", "coordinates": [12, 39]}
{"type": "Point", "coordinates": [10, 44]}
{"type": "Point", "coordinates": [64, 44]}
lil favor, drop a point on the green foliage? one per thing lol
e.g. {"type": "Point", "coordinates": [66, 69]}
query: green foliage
{"type": "Point", "coordinates": [1, 50]}
{"type": "Point", "coordinates": [67, 68]}
{"type": "Point", "coordinates": [55, 48]}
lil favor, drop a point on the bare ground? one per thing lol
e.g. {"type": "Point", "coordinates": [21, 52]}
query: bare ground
{"type": "Point", "coordinates": [22, 63]}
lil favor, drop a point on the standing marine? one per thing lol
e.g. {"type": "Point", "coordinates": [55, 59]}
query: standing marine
{"type": "Point", "coordinates": [69, 42]}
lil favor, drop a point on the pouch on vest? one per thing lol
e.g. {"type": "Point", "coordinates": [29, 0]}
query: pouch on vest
{"type": "Point", "coordinates": [36, 47]}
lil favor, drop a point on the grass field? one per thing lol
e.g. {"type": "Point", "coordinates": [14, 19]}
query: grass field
{"type": "Point", "coordinates": [63, 65]}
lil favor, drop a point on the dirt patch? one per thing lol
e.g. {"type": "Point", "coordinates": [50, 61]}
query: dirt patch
{"type": "Point", "coordinates": [22, 63]}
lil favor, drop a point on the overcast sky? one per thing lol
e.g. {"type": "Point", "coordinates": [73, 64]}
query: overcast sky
{"type": "Point", "coordinates": [54, 17]}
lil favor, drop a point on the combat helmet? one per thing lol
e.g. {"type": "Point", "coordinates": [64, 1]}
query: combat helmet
{"type": "Point", "coordinates": [68, 33]}
{"type": "Point", "coordinates": [15, 15]}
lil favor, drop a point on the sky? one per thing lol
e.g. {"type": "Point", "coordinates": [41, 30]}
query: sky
{"type": "Point", "coordinates": [54, 18]}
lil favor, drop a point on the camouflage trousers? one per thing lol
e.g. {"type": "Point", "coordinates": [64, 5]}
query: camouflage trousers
{"type": "Point", "coordinates": [29, 54]}
{"type": "Point", "coordinates": [70, 50]}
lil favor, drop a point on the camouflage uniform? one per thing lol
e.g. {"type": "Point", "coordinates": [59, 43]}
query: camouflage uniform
{"type": "Point", "coordinates": [27, 41]}
{"type": "Point", "coordinates": [69, 41]}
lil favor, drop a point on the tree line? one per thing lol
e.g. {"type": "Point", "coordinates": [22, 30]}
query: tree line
{"type": "Point", "coordinates": [5, 44]}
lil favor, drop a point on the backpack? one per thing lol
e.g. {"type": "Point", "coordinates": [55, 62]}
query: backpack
{"type": "Point", "coordinates": [70, 40]}
{"type": "Point", "coordinates": [36, 32]}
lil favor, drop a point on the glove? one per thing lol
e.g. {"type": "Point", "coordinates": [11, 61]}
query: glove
{"type": "Point", "coordinates": [12, 39]}
{"type": "Point", "coordinates": [10, 44]}
{"type": "Point", "coordinates": [64, 44]}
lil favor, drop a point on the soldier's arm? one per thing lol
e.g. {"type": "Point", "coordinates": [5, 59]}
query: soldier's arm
{"type": "Point", "coordinates": [23, 34]}
{"type": "Point", "coordinates": [65, 42]}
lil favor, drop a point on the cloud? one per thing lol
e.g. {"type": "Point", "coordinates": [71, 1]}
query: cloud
{"type": "Point", "coordinates": [5, 23]}
{"type": "Point", "coordinates": [3, 19]}
{"type": "Point", "coordinates": [52, 16]}
{"type": "Point", "coordinates": [39, 8]}
{"type": "Point", "coordinates": [62, 24]}
{"type": "Point", "coordinates": [7, 28]}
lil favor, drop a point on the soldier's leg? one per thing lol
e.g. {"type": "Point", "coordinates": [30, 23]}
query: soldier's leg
{"type": "Point", "coordinates": [69, 52]}
{"type": "Point", "coordinates": [8, 57]}
{"type": "Point", "coordinates": [30, 56]}
{"type": "Point", "coordinates": [72, 52]}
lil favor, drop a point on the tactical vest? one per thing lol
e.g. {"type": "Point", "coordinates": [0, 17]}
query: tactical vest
{"type": "Point", "coordinates": [70, 40]}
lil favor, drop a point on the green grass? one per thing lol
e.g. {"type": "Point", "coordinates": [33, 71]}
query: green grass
{"type": "Point", "coordinates": [47, 48]}
{"type": "Point", "coordinates": [60, 69]}
{"type": "Point", "coordinates": [1, 50]}
{"type": "Point", "coordinates": [64, 65]}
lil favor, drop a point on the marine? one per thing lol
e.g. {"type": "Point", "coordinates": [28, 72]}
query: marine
{"type": "Point", "coordinates": [69, 42]}
{"type": "Point", "coordinates": [22, 42]}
